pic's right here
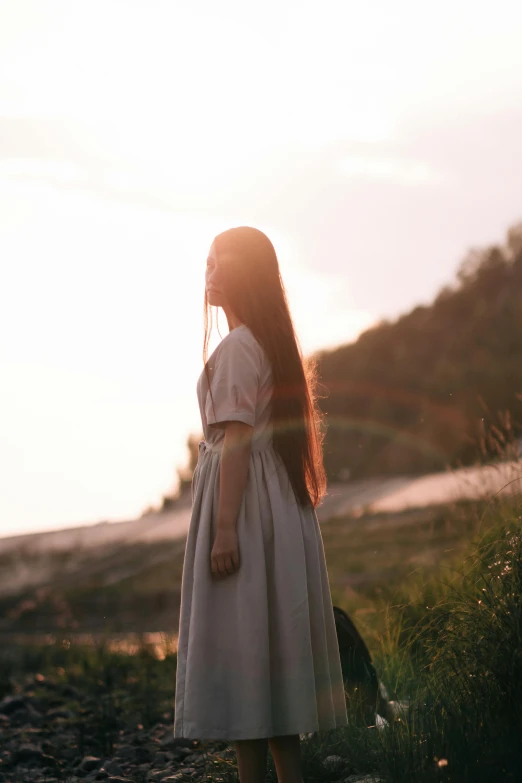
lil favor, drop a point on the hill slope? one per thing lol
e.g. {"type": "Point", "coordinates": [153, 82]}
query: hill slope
{"type": "Point", "coordinates": [416, 395]}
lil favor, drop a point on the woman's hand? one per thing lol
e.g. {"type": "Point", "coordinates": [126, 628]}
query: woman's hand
{"type": "Point", "coordinates": [224, 558]}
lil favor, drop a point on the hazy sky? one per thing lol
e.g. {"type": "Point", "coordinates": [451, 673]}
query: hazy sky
{"type": "Point", "coordinates": [374, 142]}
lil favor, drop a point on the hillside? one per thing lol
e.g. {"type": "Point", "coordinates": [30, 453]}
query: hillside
{"type": "Point", "coordinates": [417, 394]}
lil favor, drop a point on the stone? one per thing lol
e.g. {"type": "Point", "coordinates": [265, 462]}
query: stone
{"type": "Point", "coordinates": [70, 754]}
{"type": "Point", "coordinates": [177, 742]}
{"type": "Point", "coordinates": [142, 755]}
{"type": "Point", "coordinates": [126, 753]}
{"type": "Point", "coordinates": [97, 774]}
{"type": "Point", "coordinates": [161, 759]}
{"type": "Point", "coordinates": [181, 753]}
{"type": "Point", "coordinates": [59, 712]}
{"type": "Point", "coordinates": [89, 763]}
{"type": "Point", "coordinates": [113, 768]}
{"type": "Point", "coordinates": [27, 752]}
{"type": "Point", "coordinates": [48, 747]}
{"type": "Point", "coordinates": [50, 761]}
{"type": "Point", "coordinates": [194, 758]}
{"type": "Point", "coordinates": [158, 776]}
{"type": "Point", "coordinates": [31, 754]}
{"type": "Point", "coordinates": [119, 779]}
{"type": "Point", "coordinates": [11, 704]}
{"type": "Point", "coordinates": [25, 717]}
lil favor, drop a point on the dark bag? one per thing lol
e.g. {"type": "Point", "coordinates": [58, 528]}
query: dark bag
{"type": "Point", "coordinates": [365, 695]}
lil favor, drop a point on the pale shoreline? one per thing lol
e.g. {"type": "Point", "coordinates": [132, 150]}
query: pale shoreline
{"type": "Point", "coordinates": [372, 496]}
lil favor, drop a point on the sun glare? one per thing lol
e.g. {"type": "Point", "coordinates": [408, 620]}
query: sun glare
{"type": "Point", "coordinates": [191, 102]}
{"type": "Point", "coordinates": [134, 131]}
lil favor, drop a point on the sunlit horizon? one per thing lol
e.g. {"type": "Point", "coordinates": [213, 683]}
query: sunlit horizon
{"type": "Point", "coordinates": [373, 144]}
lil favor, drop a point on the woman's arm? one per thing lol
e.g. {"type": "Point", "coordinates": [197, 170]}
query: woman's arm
{"type": "Point", "coordinates": [234, 464]}
{"type": "Point", "coordinates": [235, 461]}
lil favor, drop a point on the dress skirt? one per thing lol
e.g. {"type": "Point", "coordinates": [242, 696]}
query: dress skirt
{"type": "Point", "coordinates": [257, 650]}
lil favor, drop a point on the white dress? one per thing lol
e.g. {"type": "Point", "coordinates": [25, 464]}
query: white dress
{"type": "Point", "coordinates": [257, 650]}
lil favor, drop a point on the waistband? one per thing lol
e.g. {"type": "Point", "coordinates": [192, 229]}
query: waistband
{"type": "Point", "coordinates": [205, 446]}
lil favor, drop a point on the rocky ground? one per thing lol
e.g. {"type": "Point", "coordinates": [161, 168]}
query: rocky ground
{"type": "Point", "coordinates": [48, 730]}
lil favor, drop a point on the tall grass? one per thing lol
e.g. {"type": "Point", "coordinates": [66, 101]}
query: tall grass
{"type": "Point", "coordinates": [455, 649]}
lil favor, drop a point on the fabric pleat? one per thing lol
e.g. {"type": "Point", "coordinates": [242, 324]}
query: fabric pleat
{"type": "Point", "coordinates": [257, 653]}
{"type": "Point", "coordinates": [257, 650]}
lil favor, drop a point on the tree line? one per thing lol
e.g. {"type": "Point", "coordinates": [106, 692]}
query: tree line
{"type": "Point", "coordinates": [440, 386]}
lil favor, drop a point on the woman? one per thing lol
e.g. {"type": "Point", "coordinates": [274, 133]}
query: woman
{"type": "Point", "coordinates": [258, 658]}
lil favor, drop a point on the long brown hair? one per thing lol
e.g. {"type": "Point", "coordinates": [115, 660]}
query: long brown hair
{"type": "Point", "coordinates": [255, 292]}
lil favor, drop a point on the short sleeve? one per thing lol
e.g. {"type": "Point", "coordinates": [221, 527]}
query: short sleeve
{"type": "Point", "coordinates": [234, 383]}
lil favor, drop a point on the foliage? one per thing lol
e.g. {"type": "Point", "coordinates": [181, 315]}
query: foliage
{"type": "Point", "coordinates": [412, 396]}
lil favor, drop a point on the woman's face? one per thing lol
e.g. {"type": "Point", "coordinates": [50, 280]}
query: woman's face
{"type": "Point", "coordinates": [213, 281]}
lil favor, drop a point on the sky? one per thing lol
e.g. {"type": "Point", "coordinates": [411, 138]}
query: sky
{"type": "Point", "coordinates": [375, 143]}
